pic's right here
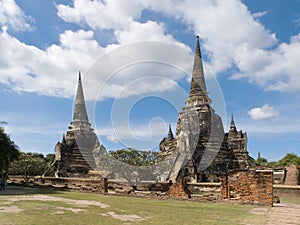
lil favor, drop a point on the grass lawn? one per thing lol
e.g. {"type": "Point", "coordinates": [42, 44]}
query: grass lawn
{"type": "Point", "coordinates": [20, 205]}
{"type": "Point", "coordinates": [287, 199]}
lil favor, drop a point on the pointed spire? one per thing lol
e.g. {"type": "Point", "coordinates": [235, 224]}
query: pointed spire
{"type": "Point", "coordinates": [198, 87]}
{"type": "Point", "coordinates": [258, 158]}
{"type": "Point", "coordinates": [80, 114]}
{"type": "Point", "coordinates": [63, 141]}
{"type": "Point", "coordinates": [170, 133]}
{"type": "Point", "coordinates": [232, 125]}
{"type": "Point", "coordinates": [232, 121]}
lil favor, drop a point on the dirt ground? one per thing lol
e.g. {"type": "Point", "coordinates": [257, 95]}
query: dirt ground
{"type": "Point", "coordinates": [18, 194]}
{"type": "Point", "coordinates": [284, 214]}
{"type": "Point", "coordinates": [280, 214]}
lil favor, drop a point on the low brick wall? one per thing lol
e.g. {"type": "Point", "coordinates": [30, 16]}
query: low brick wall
{"type": "Point", "coordinates": [285, 190]}
{"type": "Point", "coordinates": [251, 186]}
{"type": "Point", "coordinates": [81, 184]}
{"type": "Point", "coordinates": [95, 185]}
{"type": "Point", "coordinates": [203, 188]}
{"type": "Point", "coordinates": [177, 190]}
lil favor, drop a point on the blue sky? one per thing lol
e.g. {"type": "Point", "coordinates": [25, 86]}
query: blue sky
{"type": "Point", "coordinates": [136, 59]}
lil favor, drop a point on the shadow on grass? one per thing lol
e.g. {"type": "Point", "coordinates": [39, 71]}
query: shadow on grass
{"type": "Point", "coordinates": [13, 189]}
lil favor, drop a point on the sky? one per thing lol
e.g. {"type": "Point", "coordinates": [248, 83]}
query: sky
{"type": "Point", "coordinates": [136, 59]}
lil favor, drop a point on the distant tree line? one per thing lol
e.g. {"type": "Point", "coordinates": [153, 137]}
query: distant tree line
{"type": "Point", "coordinates": [133, 165]}
{"type": "Point", "coordinates": [31, 164]}
{"type": "Point", "coordinates": [9, 151]}
{"type": "Point", "coordinates": [15, 162]}
{"type": "Point", "coordinates": [288, 159]}
{"type": "Point", "coordinates": [130, 163]}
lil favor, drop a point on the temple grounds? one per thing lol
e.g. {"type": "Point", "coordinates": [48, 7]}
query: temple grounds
{"type": "Point", "coordinates": [24, 205]}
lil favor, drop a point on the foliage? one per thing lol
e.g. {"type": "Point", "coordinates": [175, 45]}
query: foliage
{"type": "Point", "coordinates": [50, 158]}
{"type": "Point", "coordinates": [135, 157]}
{"type": "Point", "coordinates": [290, 158]}
{"type": "Point", "coordinates": [134, 165]}
{"type": "Point", "coordinates": [261, 161]}
{"type": "Point", "coordinates": [9, 151]}
{"type": "Point", "coordinates": [30, 164]}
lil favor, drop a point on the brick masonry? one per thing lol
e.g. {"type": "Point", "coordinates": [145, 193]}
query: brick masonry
{"type": "Point", "coordinates": [251, 186]}
{"type": "Point", "coordinates": [292, 175]}
{"type": "Point", "coordinates": [177, 190]}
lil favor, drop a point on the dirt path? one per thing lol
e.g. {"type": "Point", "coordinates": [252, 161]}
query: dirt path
{"type": "Point", "coordinates": [284, 214]}
{"type": "Point", "coordinates": [8, 207]}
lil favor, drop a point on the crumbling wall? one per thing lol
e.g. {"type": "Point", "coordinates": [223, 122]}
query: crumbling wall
{"type": "Point", "coordinates": [98, 185]}
{"type": "Point", "coordinates": [249, 186]}
{"type": "Point", "coordinates": [292, 175]}
{"type": "Point", "coordinates": [94, 185]}
{"type": "Point", "coordinates": [278, 175]}
{"type": "Point", "coordinates": [284, 190]}
{"type": "Point", "coordinates": [177, 190]}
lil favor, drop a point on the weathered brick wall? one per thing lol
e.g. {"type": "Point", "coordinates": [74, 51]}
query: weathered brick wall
{"type": "Point", "coordinates": [292, 175]}
{"type": "Point", "coordinates": [285, 190]}
{"type": "Point", "coordinates": [96, 185]}
{"type": "Point", "coordinates": [200, 188]}
{"type": "Point", "coordinates": [177, 191]}
{"type": "Point", "coordinates": [251, 186]}
{"type": "Point", "coordinates": [84, 184]}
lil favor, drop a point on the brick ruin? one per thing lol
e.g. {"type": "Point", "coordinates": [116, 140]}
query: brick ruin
{"type": "Point", "coordinates": [203, 151]}
{"type": "Point", "coordinates": [286, 175]}
{"type": "Point", "coordinates": [249, 186]}
{"type": "Point", "coordinates": [79, 149]}
{"type": "Point", "coordinates": [292, 175]}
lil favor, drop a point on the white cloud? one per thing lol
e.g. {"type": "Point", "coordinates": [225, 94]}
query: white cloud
{"type": "Point", "coordinates": [259, 14]}
{"type": "Point", "coordinates": [112, 14]}
{"type": "Point", "coordinates": [231, 37]}
{"type": "Point", "coordinates": [275, 70]}
{"type": "Point", "coordinates": [264, 113]}
{"type": "Point", "coordinates": [54, 71]}
{"type": "Point", "coordinates": [51, 72]}
{"type": "Point", "coordinates": [224, 25]}
{"type": "Point", "coordinates": [12, 16]}
{"type": "Point", "coordinates": [149, 31]}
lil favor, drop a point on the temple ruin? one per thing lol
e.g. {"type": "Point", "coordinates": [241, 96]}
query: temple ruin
{"type": "Point", "coordinates": [202, 151]}
{"type": "Point", "coordinates": [79, 149]}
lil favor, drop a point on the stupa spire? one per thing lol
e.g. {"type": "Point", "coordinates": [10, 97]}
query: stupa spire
{"type": "Point", "coordinates": [80, 114]}
{"type": "Point", "coordinates": [170, 133]}
{"type": "Point", "coordinates": [232, 125]}
{"type": "Point", "coordinates": [198, 87]}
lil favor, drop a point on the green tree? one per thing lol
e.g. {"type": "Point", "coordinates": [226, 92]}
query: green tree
{"type": "Point", "coordinates": [134, 165]}
{"type": "Point", "coordinates": [9, 151]}
{"type": "Point", "coordinates": [50, 171]}
{"type": "Point", "coordinates": [50, 158]}
{"type": "Point", "coordinates": [261, 161]}
{"type": "Point", "coordinates": [135, 157]}
{"type": "Point", "coordinates": [290, 158]}
{"type": "Point", "coordinates": [28, 165]}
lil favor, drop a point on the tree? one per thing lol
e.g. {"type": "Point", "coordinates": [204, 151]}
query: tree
{"type": "Point", "coordinates": [28, 165]}
{"type": "Point", "coordinates": [134, 165]}
{"type": "Point", "coordinates": [50, 158]}
{"type": "Point", "coordinates": [135, 157]}
{"type": "Point", "coordinates": [262, 161]}
{"type": "Point", "coordinates": [290, 158]}
{"type": "Point", "coordinates": [9, 151]}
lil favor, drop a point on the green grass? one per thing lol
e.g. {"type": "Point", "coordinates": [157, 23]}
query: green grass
{"type": "Point", "coordinates": [152, 211]}
{"type": "Point", "coordinates": [286, 199]}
